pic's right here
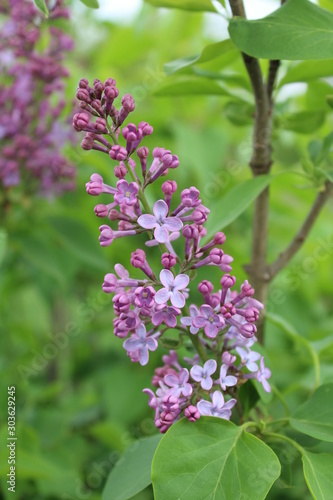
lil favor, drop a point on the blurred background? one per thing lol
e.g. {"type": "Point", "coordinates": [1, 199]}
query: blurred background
{"type": "Point", "coordinates": [79, 398]}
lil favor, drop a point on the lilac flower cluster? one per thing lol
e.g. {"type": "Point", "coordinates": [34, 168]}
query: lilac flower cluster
{"type": "Point", "coordinates": [31, 99]}
{"type": "Point", "coordinates": [220, 333]}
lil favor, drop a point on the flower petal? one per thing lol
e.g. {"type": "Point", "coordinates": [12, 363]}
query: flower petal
{"type": "Point", "coordinates": [143, 355]}
{"type": "Point", "coordinates": [132, 344]}
{"type": "Point", "coordinates": [187, 390]}
{"type": "Point", "coordinates": [210, 330]}
{"type": "Point", "coordinates": [206, 311]}
{"type": "Point", "coordinates": [161, 234]}
{"type": "Point", "coordinates": [210, 366]}
{"type": "Point", "coordinates": [171, 380]}
{"type": "Point", "coordinates": [177, 299]}
{"type": "Point", "coordinates": [162, 296]}
{"type": "Point", "coordinates": [218, 399]}
{"type": "Point", "coordinates": [151, 344]}
{"type": "Point", "coordinates": [181, 281]}
{"type": "Point", "coordinates": [205, 408]}
{"type": "Point", "coordinates": [199, 322]}
{"type": "Point", "coordinates": [172, 223]}
{"type": "Point", "coordinates": [141, 331]}
{"type": "Point", "coordinates": [147, 221]}
{"type": "Point", "coordinates": [183, 376]}
{"type": "Point", "coordinates": [170, 320]}
{"type": "Point", "coordinates": [160, 209]}
{"type": "Point", "coordinates": [252, 366]}
{"type": "Point", "coordinates": [207, 383]}
{"type": "Point", "coordinates": [196, 373]}
{"type": "Point", "coordinates": [166, 278]}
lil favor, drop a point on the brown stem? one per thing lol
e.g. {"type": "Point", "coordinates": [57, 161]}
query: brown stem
{"type": "Point", "coordinates": [260, 164]}
{"type": "Point", "coordinates": [303, 232]}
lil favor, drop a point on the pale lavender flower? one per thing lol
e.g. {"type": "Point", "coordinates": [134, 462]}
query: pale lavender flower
{"type": "Point", "coordinates": [160, 221]}
{"type": "Point", "coordinates": [141, 344]}
{"type": "Point", "coordinates": [209, 320]}
{"type": "Point", "coordinates": [226, 380]}
{"type": "Point", "coordinates": [248, 358]}
{"type": "Point", "coordinates": [179, 385]}
{"type": "Point", "coordinates": [264, 374]}
{"type": "Point", "coordinates": [172, 285]}
{"type": "Point", "coordinates": [203, 374]}
{"type": "Point", "coordinates": [218, 408]}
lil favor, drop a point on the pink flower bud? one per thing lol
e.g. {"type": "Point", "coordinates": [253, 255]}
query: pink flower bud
{"type": "Point", "coordinates": [169, 187]}
{"type": "Point", "coordinates": [101, 210]}
{"type": "Point", "coordinates": [168, 260]}
{"type": "Point", "coordinates": [219, 238]}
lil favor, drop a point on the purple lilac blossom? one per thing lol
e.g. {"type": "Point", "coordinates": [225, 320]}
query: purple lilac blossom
{"type": "Point", "coordinates": [32, 132]}
{"type": "Point", "coordinates": [221, 328]}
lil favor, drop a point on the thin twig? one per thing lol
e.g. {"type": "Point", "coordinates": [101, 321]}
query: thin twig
{"type": "Point", "coordinates": [285, 256]}
{"type": "Point", "coordinates": [260, 164]}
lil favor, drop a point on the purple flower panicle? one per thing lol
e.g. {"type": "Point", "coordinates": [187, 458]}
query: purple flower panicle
{"type": "Point", "coordinates": [153, 306]}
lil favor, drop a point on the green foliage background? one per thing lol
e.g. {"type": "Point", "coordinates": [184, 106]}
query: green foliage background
{"type": "Point", "coordinates": [79, 406]}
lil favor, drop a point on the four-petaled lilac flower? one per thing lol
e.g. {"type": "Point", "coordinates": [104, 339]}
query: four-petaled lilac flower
{"type": "Point", "coordinates": [226, 380]}
{"type": "Point", "coordinates": [172, 285]}
{"type": "Point", "coordinates": [248, 358]}
{"type": "Point", "coordinates": [209, 320]}
{"type": "Point", "coordinates": [141, 344]}
{"type": "Point", "coordinates": [263, 374]}
{"type": "Point", "coordinates": [179, 385]}
{"type": "Point", "coordinates": [218, 408]}
{"type": "Point", "coordinates": [203, 374]}
{"type": "Point", "coordinates": [160, 222]}
{"type": "Point", "coordinates": [167, 315]}
{"type": "Point", "coordinates": [126, 193]}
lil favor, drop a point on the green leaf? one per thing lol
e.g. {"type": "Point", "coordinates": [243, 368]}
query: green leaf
{"type": "Point", "coordinates": [209, 53]}
{"type": "Point", "coordinates": [317, 468]}
{"type": "Point", "coordinates": [92, 4]}
{"type": "Point", "coordinates": [248, 396]}
{"type": "Point", "coordinates": [190, 86]}
{"type": "Point", "coordinates": [329, 100]}
{"type": "Point", "coordinates": [192, 5]}
{"type": "Point", "coordinates": [307, 71]}
{"type": "Point", "coordinates": [79, 240]}
{"type": "Point", "coordinates": [3, 244]}
{"type": "Point", "coordinates": [212, 459]}
{"type": "Point", "coordinates": [299, 30]}
{"type": "Point", "coordinates": [315, 416]}
{"type": "Point", "coordinates": [293, 334]}
{"type": "Point", "coordinates": [132, 473]}
{"type": "Point", "coordinates": [42, 6]}
{"type": "Point", "coordinates": [304, 122]}
{"type": "Point", "coordinates": [236, 200]}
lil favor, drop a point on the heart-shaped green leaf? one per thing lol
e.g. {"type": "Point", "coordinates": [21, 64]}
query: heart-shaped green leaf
{"type": "Point", "coordinates": [212, 459]}
{"type": "Point", "coordinates": [315, 416]}
{"type": "Point", "coordinates": [299, 30]}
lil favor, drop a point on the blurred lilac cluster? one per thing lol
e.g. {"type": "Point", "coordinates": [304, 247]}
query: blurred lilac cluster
{"type": "Point", "coordinates": [219, 333]}
{"type": "Point", "coordinates": [32, 133]}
